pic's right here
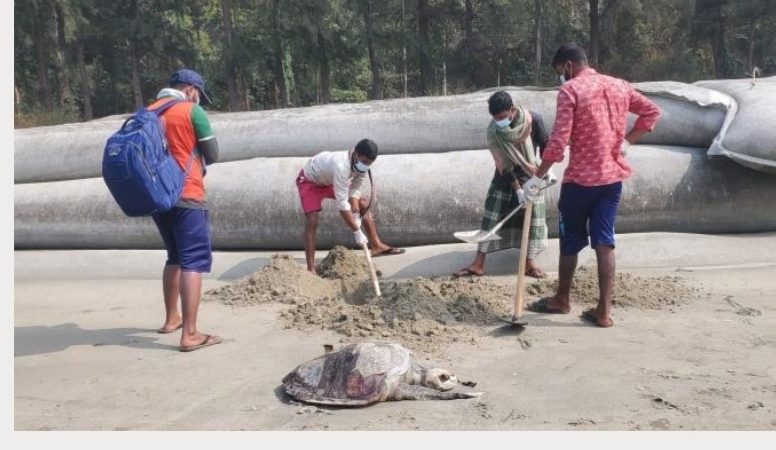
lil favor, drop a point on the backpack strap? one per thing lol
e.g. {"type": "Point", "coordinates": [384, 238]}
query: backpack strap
{"type": "Point", "coordinates": [161, 109]}
{"type": "Point", "coordinates": [195, 151]}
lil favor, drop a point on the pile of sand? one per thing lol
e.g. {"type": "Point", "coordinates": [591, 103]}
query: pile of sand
{"type": "Point", "coordinates": [280, 281]}
{"type": "Point", "coordinates": [425, 314]}
{"type": "Point", "coordinates": [630, 291]}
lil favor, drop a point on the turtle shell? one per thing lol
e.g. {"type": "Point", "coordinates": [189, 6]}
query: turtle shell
{"type": "Point", "coordinates": [355, 375]}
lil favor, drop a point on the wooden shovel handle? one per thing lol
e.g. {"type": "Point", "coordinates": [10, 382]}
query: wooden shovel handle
{"type": "Point", "coordinates": [372, 272]}
{"type": "Point", "coordinates": [521, 264]}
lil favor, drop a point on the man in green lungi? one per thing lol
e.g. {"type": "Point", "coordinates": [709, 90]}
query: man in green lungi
{"type": "Point", "coordinates": [511, 137]}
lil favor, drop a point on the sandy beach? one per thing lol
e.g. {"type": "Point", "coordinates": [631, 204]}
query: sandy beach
{"type": "Point", "coordinates": [86, 356]}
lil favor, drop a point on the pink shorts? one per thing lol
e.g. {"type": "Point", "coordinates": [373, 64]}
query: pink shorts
{"type": "Point", "coordinates": [312, 194]}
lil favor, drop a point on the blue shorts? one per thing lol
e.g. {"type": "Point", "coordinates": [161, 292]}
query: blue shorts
{"type": "Point", "coordinates": [587, 210]}
{"type": "Point", "coordinates": [186, 236]}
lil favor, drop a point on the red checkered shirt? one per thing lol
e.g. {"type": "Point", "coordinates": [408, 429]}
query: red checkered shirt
{"type": "Point", "coordinates": [592, 111]}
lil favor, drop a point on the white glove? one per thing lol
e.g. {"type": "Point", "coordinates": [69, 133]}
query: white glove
{"type": "Point", "coordinates": [550, 177]}
{"type": "Point", "coordinates": [360, 237]}
{"type": "Point", "coordinates": [532, 186]}
{"type": "Point", "coordinates": [520, 195]}
{"type": "Point", "coordinates": [357, 219]}
{"type": "Point", "coordinates": [624, 147]}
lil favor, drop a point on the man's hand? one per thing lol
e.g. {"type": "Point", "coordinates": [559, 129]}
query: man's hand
{"type": "Point", "coordinates": [520, 195]}
{"type": "Point", "coordinates": [550, 177]}
{"type": "Point", "coordinates": [532, 187]}
{"type": "Point", "coordinates": [357, 219]}
{"type": "Point", "coordinates": [360, 237]}
{"type": "Point", "coordinates": [624, 147]}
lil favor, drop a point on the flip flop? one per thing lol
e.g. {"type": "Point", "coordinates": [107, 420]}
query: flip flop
{"type": "Point", "coordinates": [536, 272]}
{"type": "Point", "coordinates": [467, 272]}
{"type": "Point", "coordinates": [542, 306]}
{"type": "Point", "coordinates": [390, 251]}
{"type": "Point", "coordinates": [166, 331]}
{"type": "Point", "coordinates": [209, 340]}
{"type": "Point", "coordinates": [592, 316]}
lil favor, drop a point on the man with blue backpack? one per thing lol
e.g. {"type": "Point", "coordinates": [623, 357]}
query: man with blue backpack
{"type": "Point", "coordinates": [185, 228]}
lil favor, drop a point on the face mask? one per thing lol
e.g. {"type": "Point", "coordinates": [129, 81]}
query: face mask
{"type": "Point", "coordinates": [360, 167]}
{"type": "Point", "coordinates": [562, 77]}
{"type": "Point", "coordinates": [503, 123]}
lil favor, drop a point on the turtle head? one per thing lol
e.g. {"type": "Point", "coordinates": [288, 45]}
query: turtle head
{"type": "Point", "coordinates": [439, 379]}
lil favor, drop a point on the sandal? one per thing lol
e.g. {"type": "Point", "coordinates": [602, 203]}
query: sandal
{"type": "Point", "coordinates": [389, 252]}
{"type": "Point", "coordinates": [467, 272]}
{"type": "Point", "coordinates": [591, 315]}
{"type": "Point", "coordinates": [543, 306]}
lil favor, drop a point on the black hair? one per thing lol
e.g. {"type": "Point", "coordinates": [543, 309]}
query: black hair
{"type": "Point", "coordinates": [499, 102]}
{"type": "Point", "coordinates": [368, 148]}
{"type": "Point", "coordinates": [570, 52]}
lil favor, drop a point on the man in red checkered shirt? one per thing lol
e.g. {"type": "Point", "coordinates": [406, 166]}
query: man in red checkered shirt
{"type": "Point", "coordinates": [592, 113]}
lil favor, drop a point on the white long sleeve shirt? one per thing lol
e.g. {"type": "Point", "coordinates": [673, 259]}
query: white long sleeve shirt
{"type": "Point", "coordinates": [333, 169]}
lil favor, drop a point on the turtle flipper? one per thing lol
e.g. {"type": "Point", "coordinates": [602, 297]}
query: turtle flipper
{"type": "Point", "coordinates": [416, 392]}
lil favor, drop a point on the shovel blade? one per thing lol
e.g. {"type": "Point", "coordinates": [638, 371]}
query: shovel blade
{"type": "Point", "coordinates": [476, 236]}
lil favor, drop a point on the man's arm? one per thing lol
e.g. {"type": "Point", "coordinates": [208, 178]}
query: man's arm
{"type": "Point", "coordinates": [648, 114]}
{"type": "Point", "coordinates": [539, 134]}
{"type": "Point", "coordinates": [561, 132]}
{"type": "Point", "coordinates": [206, 141]}
{"type": "Point", "coordinates": [209, 149]}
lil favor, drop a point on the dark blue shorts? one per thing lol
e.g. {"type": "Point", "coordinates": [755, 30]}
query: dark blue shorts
{"type": "Point", "coordinates": [587, 211]}
{"type": "Point", "coordinates": [186, 236]}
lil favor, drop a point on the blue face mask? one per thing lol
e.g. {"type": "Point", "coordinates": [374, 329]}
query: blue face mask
{"type": "Point", "coordinates": [503, 123]}
{"type": "Point", "coordinates": [360, 167]}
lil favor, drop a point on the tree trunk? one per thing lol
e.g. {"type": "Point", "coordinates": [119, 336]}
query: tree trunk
{"type": "Point", "coordinates": [61, 46]}
{"type": "Point", "coordinates": [277, 47]}
{"type": "Point", "coordinates": [539, 13]}
{"type": "Point", "coordinates": [231, 69]}
{"type": "Point", "coordinates": [444, 78]}
{"type": "Point", "coordinates": [595, 31]}
{"type": "Point", "coordinates": [41, 56]}
{"type": "Point", "coordinates": [403, 51]}
{"type": "Point", "coordinates": [468, 29]}
{"type": "Point", "coordinates": [750, 55]}
{"type": "Point", "coordinates": [134, 57]}
{"type": "Point", "coordinates": [376, 91]}
{"type": "Point", "coordinates": [85, 83]}
{"type": "Point", "coordinates": [426, 69]}
{"type": "Point", "coordinates": [324, 69]}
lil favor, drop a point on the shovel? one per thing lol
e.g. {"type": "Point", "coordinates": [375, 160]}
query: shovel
{"type": "Point", "coordinates": [372, 272]}
{"type": "Point", "coordinates": [517, 315]}
{"type": "Point", "coordinates": [477, 236]}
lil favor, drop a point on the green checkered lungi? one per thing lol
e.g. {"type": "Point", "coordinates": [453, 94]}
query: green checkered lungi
{"type": "Point", "coordinates": [500, 201]}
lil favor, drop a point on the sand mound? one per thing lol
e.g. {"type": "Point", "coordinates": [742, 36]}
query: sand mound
{"type": "Point", "coordinates": [280, 281]}
{"type": "Point", "coordinates": [630, 291]}
{"type": "Point", "coordinates": [426, 314]}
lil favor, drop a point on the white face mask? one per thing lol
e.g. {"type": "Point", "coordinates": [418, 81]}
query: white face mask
{"type": "Point", "coordinates": [503, 123]}
{"type": "Point", "coordinates": [360, 167]}
{"type": "Point", "coordinates": [562, 77]}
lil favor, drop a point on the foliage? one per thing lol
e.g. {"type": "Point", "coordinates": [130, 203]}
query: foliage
{"type": "Point", "coordinates": [82, 59]}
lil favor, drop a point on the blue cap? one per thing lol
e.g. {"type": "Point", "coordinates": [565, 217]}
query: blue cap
{"type": "Point", "coordinates": [188, 76]}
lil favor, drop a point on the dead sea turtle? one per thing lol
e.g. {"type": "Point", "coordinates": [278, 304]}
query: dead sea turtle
{"type": "Point", "coordinates": [369, 372]}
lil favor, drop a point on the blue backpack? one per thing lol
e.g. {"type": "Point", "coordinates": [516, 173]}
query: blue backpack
{"type": "Point", "coordinates": [141, 174]}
